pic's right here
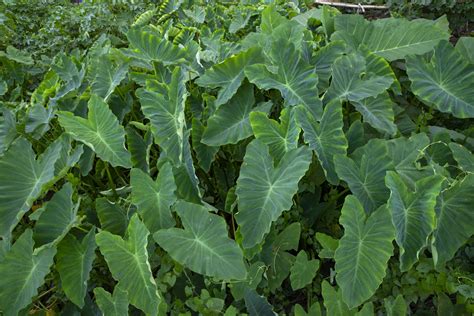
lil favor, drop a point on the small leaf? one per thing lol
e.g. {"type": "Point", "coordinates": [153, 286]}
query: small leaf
{"type": "Point", "coordinates": [107, 76]}
{"type": "Point", "coordinates": [112, 216]}
{"type": "Point", "coordinates": [257, 305]}
{"type": "Point", "coordinates": [303, 271]}
{"type": "Point", "coordinates": [333, 302]}
{"type": "Point", "coordinates": [463, 157]}
{"type": "Point", "coordinates": [116, 305]}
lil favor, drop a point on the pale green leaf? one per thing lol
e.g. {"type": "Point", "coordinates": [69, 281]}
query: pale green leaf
{"type": "Point", "coordinates": [363, 252]}
{"type": "Point", "coordinates": [203, 245]}
{"type": "Point", "coordinates": [264, 190]}
{"type": "Point", "coordinates": [396, 307]}
{"type": "Point", "coordinates": [116, 305]}
{"type": "Point", "coordinates": [465, 47]}
{"type": "Point", "coordinates": [333, 302]}
{"type": "Point", "coordinates": [303, 271]}
{"type": "Point", "coordinates": [378, 112]}
{"type": "Point", "coordinates": [7, 129]}
{"type": "Point", "coordinates": [107, 76]}
{"type": "Point", "coordinates": [101, 131]}
{"type": "Point", "coordinates": [329, 245]}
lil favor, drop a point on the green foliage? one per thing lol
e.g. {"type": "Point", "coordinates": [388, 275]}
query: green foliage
{"type": "Point", "coordinates": [231, 158]}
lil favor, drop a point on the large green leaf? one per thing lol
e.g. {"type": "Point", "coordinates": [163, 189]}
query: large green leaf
{"type": "Point", "coordinates": [378, 112]}
{"type": "Point", "coordinates": [165, 110]}
{"type": "Point", "coordinates": [391, 38]}
{"type": "Point", "coordinates": [280, 137]}
{"type": "Point", "coordinates": [465, 47]}
{"type": "Point", "coordinates": [112, 305]}
{"type": "Point", "coordinates": [128, 263]}
{"type": "Point", "coordinates": [112, 216]}
{"type": "Point", "coordinates": [230, 123]}
{"type": "Point", "coordinates": [365, 172]}
{"type": "Point", "coordinates": [445, 82]}
{"type": "Point", "coordinates": [463, 157]}
{"type": "Point", "coordinates": [363, 252]}
{"type": "Point", "coordinates": [290, 74]}
{"type": "Point", "coordinates": [23, 271]}
{"type": "Point", "coordinates": [203, 245]}
{"type": "Point", "coordinates": [101, 131]}
{"type": "Point", "coordinates": [326, 138]}
{"type": "Point", "coordinates": [229, 74]}
{"type": "Point", "coordinates": [303, 271]}
{"type": "Point", "coordinates": [351, 82]}
{"type": "Point", "coordinates": [454, 220]}
{"type": "Point", "coordinates": [323, 60]}
{"type": "Point", "coordinates": [7, 129]}
{"type": "Point", "coordinates": [264, 190]}
{"type": "Point", "coordinates": [257, 305]}
{"type": "Point", "coordinates": [107, 76]}
{"type": "Point", "coordinates": [154, 198]}
{"type": "Point", "coordinates": [57, 219]}
{"type": "Point", "coordinates": [74, 263]}
{"type": "Point", "coordinates": [27, 178]}
{"type": "Point", "coordinates": [413, 214]}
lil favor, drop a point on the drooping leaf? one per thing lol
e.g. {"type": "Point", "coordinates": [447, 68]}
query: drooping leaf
{"type": "Point", "coordinates": [291, 75]}
{"type": "Point", "coordinates": [229, 74]}
{"type": "Point", "coordinates": [154, 198]}
{"type": "Point", "coordinates": [112, 216]}
{"type": "Point", "coordinates": [445, 82]}
{"type": "Point", "coordinates": [23, 271]}
{"type": "Point", "coordinates": [413, 214]}
{"type": "Point", "coordinates": [465, 47]}
{"type": "Point", "coordinates": [264, 190]}
{"type": "Point", "coordinates": [303, 271]}
{"type": "Point", "coordinates": [74, 263]}
{"type": "Point", "coordinates": [57, 219]}
{"type": "Point", "coordinates": [363, 252]}
{"type": "Point", "coordinates": [203, 245]}
{"type": "Point", "coordinates": [139, 148]}
{"type": "Point", "coordinates": [364, 173]}
{"type": "Point", "coordinates": [378, 112]}
{"type": "Point", "coordinates": [204, 153]}
{"type": "Point", "coordinates": [101, 131]}
{"type": "Point", "coordinates": [463, 157]}
{"type": "Point", "coordinates": [257, 305]}
{"type": "Point", "coordinates": [128, 262]}
{"type": "Point", "coordinates": [454, 218]}
{"type": "Point", "coordinates": [107, 76]}
{"type": "Point", "coordinates": [326, 138]}
{"type": "Point", "coordinates": [7, 129]}
{"type": "Point", "coordinates": [27, 177]}
{"type": "Point", "coordinates": [230, 123]}
{"type": "Point", "coordinates": [113, 305]}
{"type": "Point", "coordinates": [323, 60]}
{"type": "Point", "coordinates": [165, 110]}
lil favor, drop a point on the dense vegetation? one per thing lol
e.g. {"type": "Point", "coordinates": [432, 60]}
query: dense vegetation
{"type": "Point", "coordinates": [185, 158]}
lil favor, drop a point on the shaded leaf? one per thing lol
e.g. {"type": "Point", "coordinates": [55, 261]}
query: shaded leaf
{"type": "Point", "coordinates": [303, 271]}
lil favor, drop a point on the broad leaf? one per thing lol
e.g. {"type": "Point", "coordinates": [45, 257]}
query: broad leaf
{"type": "Point", "coordinates": [229, 74]}
{"type": "Point", "coordinates": [326, 138]}
{"type": "Point", "coordinates": [363, 252]}
{"type": "Point", "coordinates": [7, 129]}
{"type": "Point", "coordinates": [23, 271]}
{"type": "Point", "coordinates": [203, 245]}
{"type": "Point", "coordinates": [365, 172]}
{"type": "Point", "coordinates": [323, 60]}
{"type": "Point", "coordinates": [280, 137]}
{"type": "Point", "coordinates": [74, 263]}
{"type": "Point", "coordinates": [454, 220]}
{"type": "Point", "coordinates": [445, 82]}
{"type": "Point", "coordinates": [465, 47]}
{"type": "Point", "coordinates": [112, 216]}
{"type": "Point", "coordinates": [165, 110]}
{"type": "Point", "coordinates": [112, 305]}
{"type": "Point", "coordinates": [413, 214]}
{"type": "Point", "coordinates": [303, 271]}
{"type": "Point", "coordinates": [230, 123]}
{"type": "Point", "coordinates": [463, 157]}
{"type": "Point", "coordinates": [128, 263]}
{"type": "Point", "coordinates": [204, 153]}
{"type": "Point", "coordinates": [107, 76]}
{"type": "Point", "coordinates": [101, 131]}
{"type": "Point", "coordinates": [396, 307]}
{"type": "Point", "coordinates": [27, 178]}
{"type": "Point", "coordinates": [257, 305]}
{"type": "Point", "coordinates": [154, 198]}
{"type": "Point", "coordinates": [378, 112]}
{"type": "Point", "coordinates": [139, 148]}
{"type": "Point", "coordinates": [264, 190]}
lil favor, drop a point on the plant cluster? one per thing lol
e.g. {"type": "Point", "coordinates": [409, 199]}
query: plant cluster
{"type": "Point", "coordinates": [239, 158]}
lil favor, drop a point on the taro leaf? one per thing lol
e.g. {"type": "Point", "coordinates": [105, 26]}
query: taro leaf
{"type": "Point", "coordinates": [314, 310]}
{"type": "Point", "coordinates": [465, 47]}
{"type": "Point", "coordinates": [20, 56]}
{"type": "Point", "coordinates": [23, 271]}
{"type": "Point", "coordinates": [291, 75]}
{"type": "Point", "coordinates": [326, 138]}
{"type": "Point", "coordinates": [365, 172]}
{"type": "Point", "coordinates": [203, 245]}
{"type": "Point", "coordinates": [257, 305]}
{"type": "Point", "coordinates": [303, 271]}
{"type": "Point", "coordinates": [391, 38]}
{"type": "Point", "coordinates": [112, 305]}
{"type": "Point", "coordinates": [351, 82]}
{"type": "Point", "coordinates": [323, 60]}
{"type": "Point", "coordinates": [229, 74]}
{"type": "Point", "coordinates": [463, 157]}
{"type": "Point", "coordinates": [380, 67]}
{"type": "Point", "coordinates": [333, 302]}
{"type": "Point", "coordinates": [57, 219]}
{"type": "Point", "coordinates": [128, 263]}
{"type": "Point", "coordinates": [378, 112]}
{"type": "Point", "coordinates": [413, 214]}
{"type": "Point", "coordinates": [264, 190]}
{"type": "Point", "coordinates": [139, 148]}
{"type": "Point", "coordinates": [46, 89]}
{"type": "Point", "coordinates": [74, 264]}
{"type": "Point", "coordinates": [230, 123]}
{"type": "Point", "coordinates": [363, 252]}
{"type": "Point", "coordinates": [329, 245]}
{"type": "Point", "coordinates": [280, 137]}
{"type": "Point", "coordinates": [149, 47]}
{"type": "Point", "coordinates": [112, 216]}
{"type": "Point", "coordinates": [204, 153]}
{"type": "Point", "coordinates": [37, 120]}
{"type": "Point", "coordinates": [396, 307]}
{"type": "Point", "coordinates": [7, 129]}
{"type": "Point", "coordinates": [445, 82]}
{"type": "Point", "coordinates": [68, 156]}
{"type": "Point", "coordinates": [154, 198]}
{"type": "Point", "coordinates": [3, 88]}
{"type": "Point", "coordinates": [454, 220]}
{"type": "Point", "coordinates": [165, 110]}
{"type": "Point", "coordinates": [107, 76]}
{"type": "Point", "coordinates": [26, 178]}
{"type": "Point", "coordinates": [101, 132]}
